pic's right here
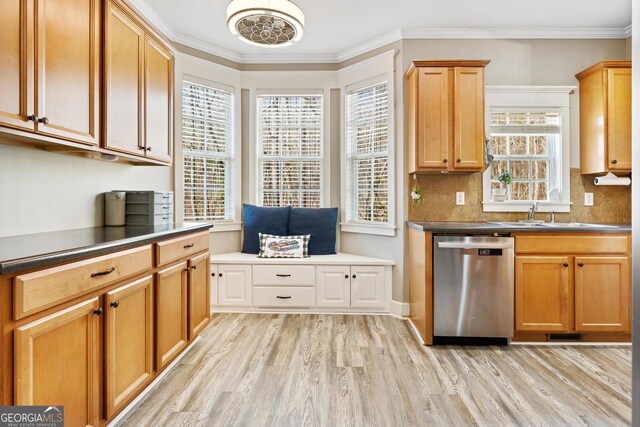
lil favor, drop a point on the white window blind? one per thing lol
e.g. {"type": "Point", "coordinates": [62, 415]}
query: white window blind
{"type": "Point", "coordinates": [367, 151]}
{"type": "Point", "coordinates": [527, 144]}
{"type": "Point", "coordinates": [290, 150]}
{"type": "Point", "coordinates": [207, 144]}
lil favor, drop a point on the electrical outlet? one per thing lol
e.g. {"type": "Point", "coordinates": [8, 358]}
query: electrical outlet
{"type": "Point", "coordinates": [459, 197]}
{"type": "Point", "coordinates": [588, 199]}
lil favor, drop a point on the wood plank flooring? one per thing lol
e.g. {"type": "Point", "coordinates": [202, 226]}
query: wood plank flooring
{"type": "Point", "coordinates": [356, 370]}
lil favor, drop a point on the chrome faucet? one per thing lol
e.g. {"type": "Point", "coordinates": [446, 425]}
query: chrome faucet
{"type": "Point", "coordinates": [532, 211]}
{"type": "Point", "coordinates": [553, 217]}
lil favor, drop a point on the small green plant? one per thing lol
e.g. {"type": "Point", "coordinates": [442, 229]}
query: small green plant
{"type": "Point", "coordinates": [505, 178]}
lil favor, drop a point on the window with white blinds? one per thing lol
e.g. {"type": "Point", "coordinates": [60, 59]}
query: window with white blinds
{"type": "Point", "coordinates": [289, 146]}
{"type": "Point", "coordinates": [367, 152]}
{"type": "Point", "coordinates": [207, 144]}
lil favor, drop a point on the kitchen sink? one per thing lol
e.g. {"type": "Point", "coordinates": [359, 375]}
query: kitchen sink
{"type": "Point", "coordinates": [553, 224]}
{"type": "Point", "coordinates": [520, 223]}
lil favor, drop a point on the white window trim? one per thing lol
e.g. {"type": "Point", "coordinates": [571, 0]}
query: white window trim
{"type": "Point", "coordinates": [531, 98]}
{"type": "Point", "coordinates": [204, 72]}
{"type": "Point", "coordinates": [373, 70]}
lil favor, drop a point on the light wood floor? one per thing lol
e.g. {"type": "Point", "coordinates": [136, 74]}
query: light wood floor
{"type": "Point", "coordinates": [328, 370]}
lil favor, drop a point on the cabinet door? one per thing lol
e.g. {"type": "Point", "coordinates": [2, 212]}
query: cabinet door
{"type": "Point", "coordinates": [56, 362]}
{"type": "Point", "coordinates": [171, 313]}
{"type": "Point", "coordinates": [16, 67]}
{"type": "Point", "coordinates": [433, 118]}
{"type": "Point", "coordinates": [603, 294]}
{"type": "Point", "coordinates": [543, 294]}
{"type": "Point", "coordinates": [367, 286]}
{"type": "Point", "coordinates": [158, 100]}
{"type": "Point", "coordinates": [123, 82]}
{"type": "Point", "coordinates": [468, 134]}
{"type": "Point", "coordinates": [333, 286]}
{"type": "Point", "coordinates": [67, 64]}
{"type": "Point", "coordinates": [199, 303]}
{"type": "Point", "coordinates": [234, 285]}
{"type": "Point", "coordinates": [129, 342]}
{"type": "Point", "coordinates": [619, 119]}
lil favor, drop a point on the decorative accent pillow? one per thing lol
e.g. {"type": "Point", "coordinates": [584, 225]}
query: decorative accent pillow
{"type": "Point", "coordinates": [284, 246]}
{"type": "Point", "coordinates": [257, 219]}
{"type": "Point", "coordinates": [318, 222]}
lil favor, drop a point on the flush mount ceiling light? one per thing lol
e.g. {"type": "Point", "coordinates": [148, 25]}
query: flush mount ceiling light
{"type": "Point", "coordinates": [266, 23]}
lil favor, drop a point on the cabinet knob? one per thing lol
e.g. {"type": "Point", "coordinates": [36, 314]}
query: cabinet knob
{"type": "Point", "coordinates": [565, 264]}
{"type": "Point", "coordinates": [33, 118]}
{"type": "Point", "coordinates": [193, 267]}
{"type": "Point", "coordinates": [148, 148]}
{"type": "Point", "coordinates": [43, 120]}
{"type": "Point", "coordinates": [219, 274]}
{"type": "Point", "coordinates": [581, 264]}
{"type": "Point", "coordinates": [213, 274]}
{"type": "Point", "coordinates": [354, 276]}
{"type": "Point", "coordinates": [445, 160]}
{"type": "Point", "coordinates": [459, 160]}
{"type": "Point", "coordinates": [614, 161]}
{"type": "Point", "coordinates": [346, 276]}
{"type": "Point", "coordinates": [115, 304]}
{"type": "Point", "coordinates": [98, 311]}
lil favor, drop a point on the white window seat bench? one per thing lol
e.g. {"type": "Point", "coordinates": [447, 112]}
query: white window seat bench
{"type": "Point", "coordinates": [320, 283]}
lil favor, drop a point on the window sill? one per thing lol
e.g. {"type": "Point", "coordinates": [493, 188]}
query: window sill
{"type": "Point", "coordinates": [379, 230]}
{"type": "Point", "coordinates": [522, 206]}
{"type": "Point", "coordinates": [219, 227]}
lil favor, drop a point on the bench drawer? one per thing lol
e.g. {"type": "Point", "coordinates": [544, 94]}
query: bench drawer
{"type": "Point", "coordinates": [284, 296]}
{"type": "Point", "coordinates": [284, 275]}
{"type": "Point", "coordinates": [181, 247]}
{"type": "Point", "coordinates": [45, 288]}
{"type": "Point", "coordinates": [572, 244]}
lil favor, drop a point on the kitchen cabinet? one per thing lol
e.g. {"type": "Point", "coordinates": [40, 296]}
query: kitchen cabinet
{"type": "Point", "coordinates": [573, 283]}
{"type": "Point", "coordinates": [138, 72]}
{"type": "Point", "coordinates": [198, 292]}
{"type": "Point", "coordinates": [234, 285]}
{"type": "Point", "coordinates": [446, 116]}
{"type": "Point", "coordinates": [128, 342]}
{"type": "Point", "coordinates": [333, 286]}
{"type": "Point", "coordinates": [542, 292]}
{"type": "Point", "coordinates": [367, 286]}
{"type": "Point", "coordinates": [171, 309]}
{"type": "Point", "coordinates": [48, 87]}
{"type": "Point", "coordinates": [603, 294]}
{"type": "Point", "coordinates": [605, 117]}
{"type": "Point", "coordinates": [56, 362]}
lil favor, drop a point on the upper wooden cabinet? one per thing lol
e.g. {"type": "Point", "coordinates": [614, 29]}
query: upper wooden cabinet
{"type": "Point", "coordinates": [49, 75]}
{"type": "Point", "coordinates": [446, 116]}
{"type": "Point", "coordinates": [605, 117]}
{"type": "Point", "coordinates": [138, 71]}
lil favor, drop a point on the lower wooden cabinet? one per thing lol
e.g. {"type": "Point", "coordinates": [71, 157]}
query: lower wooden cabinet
{"type": "Point", "coordinates": [199, 300]}
{"type": "Point", "coordinates": [171, 312]}
{"type": "Point", "coordinates": [603, 294]}
{"type": "Point", "coordinates": [542, 293]}
{"type": "Point", "coordinates": [57, 362]}
{"type": "Point", "coordinates": [128, 342]}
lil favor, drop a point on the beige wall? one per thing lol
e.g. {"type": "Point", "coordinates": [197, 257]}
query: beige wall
{"type": "Point", "coordinates": [44, 191]}
{"type": "Point", "coordinates": [628, 45]}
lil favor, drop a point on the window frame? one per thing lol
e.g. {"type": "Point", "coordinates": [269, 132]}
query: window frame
{"type": "Point", "coordinates": [532, 99]}
{"type": "Point", "coordinates": [189, 69]}
{"type": "Point", "coordinates": [322, 159]}
{"type": "Point", "coordinates": [376, 69]}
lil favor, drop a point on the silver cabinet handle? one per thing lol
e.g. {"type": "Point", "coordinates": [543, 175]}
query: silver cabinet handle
{"type": "Point", "coordinates": [462, 245]}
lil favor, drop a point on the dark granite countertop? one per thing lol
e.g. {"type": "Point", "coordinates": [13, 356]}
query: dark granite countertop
{"type": "Point", "coordinates": [498, 227]}
{"type": "Point", "coordinates": [29, 251]}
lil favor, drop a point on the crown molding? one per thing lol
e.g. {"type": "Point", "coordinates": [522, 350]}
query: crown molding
{"type": "Point", "coordinates": [143, 7]}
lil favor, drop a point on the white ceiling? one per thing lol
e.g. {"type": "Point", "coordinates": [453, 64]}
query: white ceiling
{"type": "Point", "coordinates": [335, 29]}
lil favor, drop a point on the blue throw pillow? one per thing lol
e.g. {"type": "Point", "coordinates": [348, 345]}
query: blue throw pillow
{"type": "Point", "coordinates": [257, 219]}
{"type": "Point", "coordinates": [320, 223]}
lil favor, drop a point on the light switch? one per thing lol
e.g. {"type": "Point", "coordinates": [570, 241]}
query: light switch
{"type": "Point", "coordinates": [588, 199]}
{"type": "Point", "coordinates": [459, 197]}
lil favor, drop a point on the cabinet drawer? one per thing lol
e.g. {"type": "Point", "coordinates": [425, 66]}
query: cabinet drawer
{"type": "Point", "coordinates": [181, 247]}
{"type": "Point", "coordinates": [163, 197]}
{"type": "Point", "coordinates": [284, 275]}
{"type": "Point", "coordinates": [572, 244]}
{"type": "Point", "coordinates": [45, 288]}
{"type": "Point", "coordinates": [283, 296]}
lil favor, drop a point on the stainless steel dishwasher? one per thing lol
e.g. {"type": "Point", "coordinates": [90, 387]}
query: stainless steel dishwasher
{"type": "Point", "coordinates": [473, 286]}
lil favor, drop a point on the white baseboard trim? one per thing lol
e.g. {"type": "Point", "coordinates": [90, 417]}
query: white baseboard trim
{"type": "Point", "coordinates": [399, 309]}
{"type": "Point", "coordinates": [150, 387]}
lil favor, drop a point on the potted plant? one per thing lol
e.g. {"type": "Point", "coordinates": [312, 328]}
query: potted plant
{"type": "Point", "coordinates": [416, 195]}
{"type": "Point", "coordinates": [500, 194]}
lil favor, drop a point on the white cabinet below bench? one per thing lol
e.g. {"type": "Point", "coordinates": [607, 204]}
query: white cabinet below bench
{"type": "Point", "coordinates": [338, 282]}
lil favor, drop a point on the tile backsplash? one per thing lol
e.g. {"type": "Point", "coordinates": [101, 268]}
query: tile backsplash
{"type": "Point", "coordinates": [611, 204]}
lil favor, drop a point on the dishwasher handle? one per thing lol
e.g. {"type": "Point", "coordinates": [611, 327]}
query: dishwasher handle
{"type": "Point", "coordinates": [467, 245]}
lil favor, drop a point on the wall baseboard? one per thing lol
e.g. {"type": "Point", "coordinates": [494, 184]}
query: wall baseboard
{"type": "Point", "coordinates": [399, 309]}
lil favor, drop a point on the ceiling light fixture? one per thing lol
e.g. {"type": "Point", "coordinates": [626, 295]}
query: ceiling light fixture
{"type": "Point", "coordinates": [266, 23]}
